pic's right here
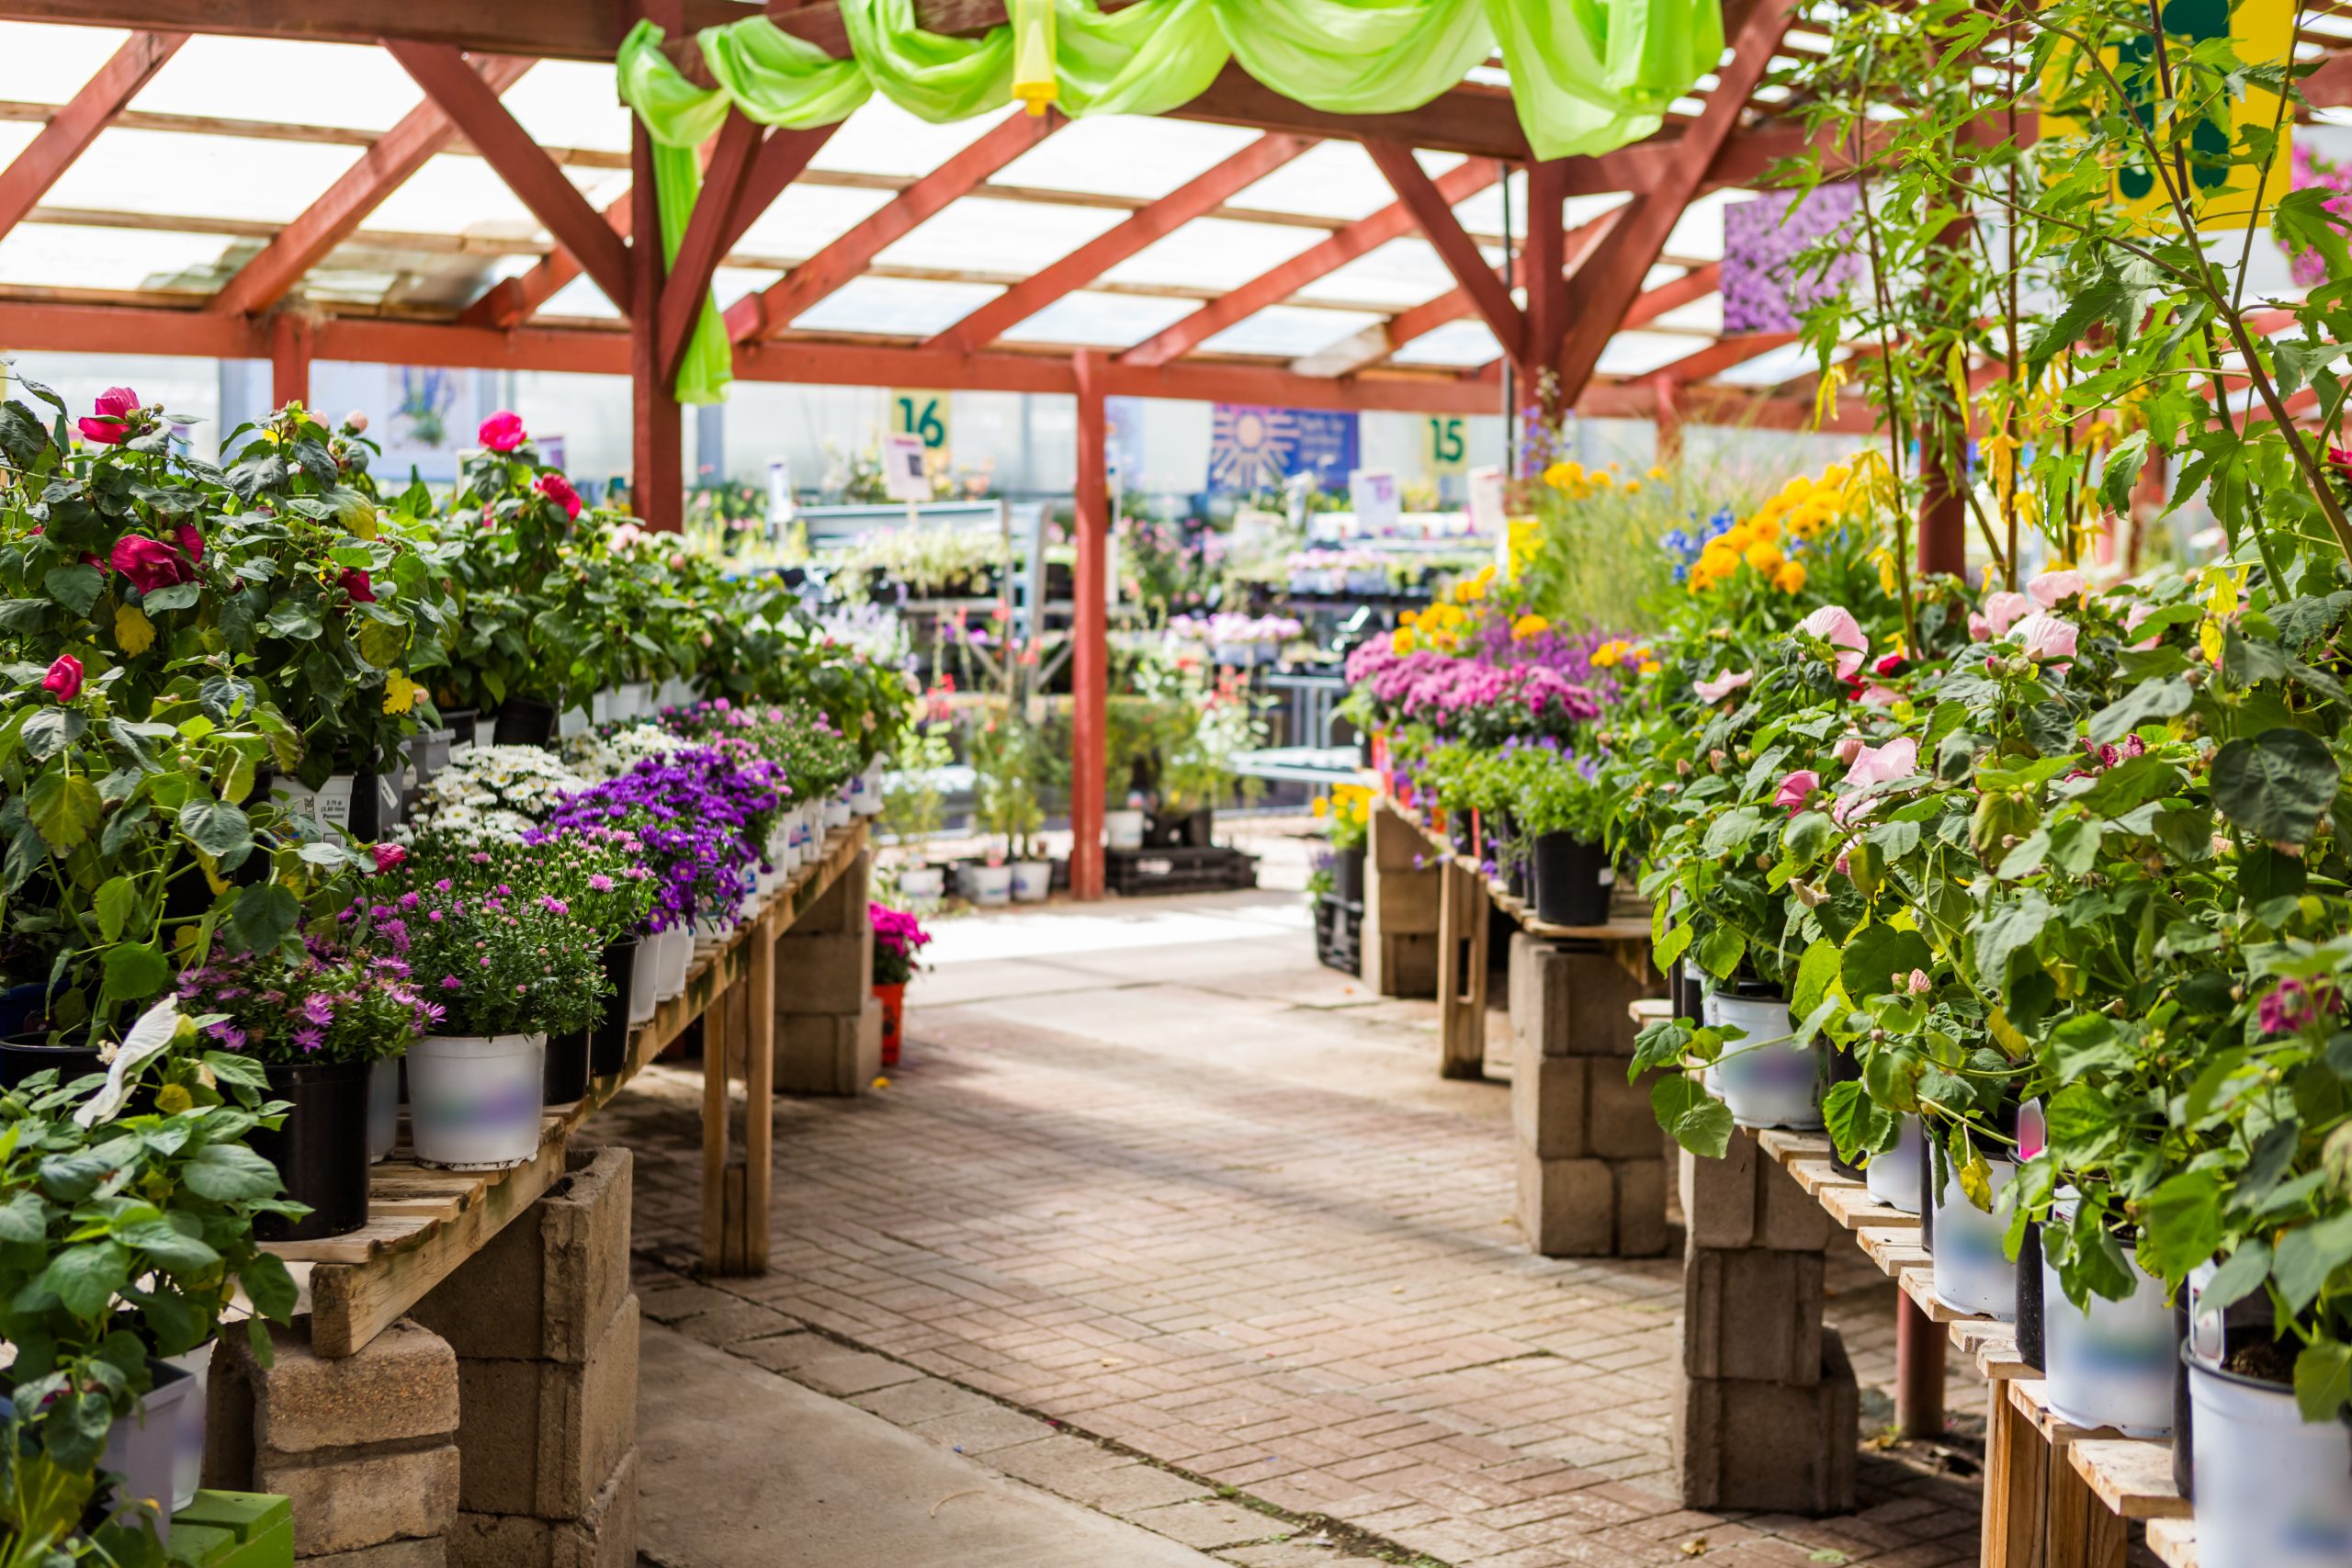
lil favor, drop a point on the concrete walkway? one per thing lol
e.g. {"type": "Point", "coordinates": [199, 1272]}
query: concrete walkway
{"type": "Point", "coordinates": [1164, 1220]}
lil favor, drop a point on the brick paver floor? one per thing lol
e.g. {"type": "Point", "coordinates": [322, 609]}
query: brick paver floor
{"type": "Point", "coordinates": [1151, 1186]}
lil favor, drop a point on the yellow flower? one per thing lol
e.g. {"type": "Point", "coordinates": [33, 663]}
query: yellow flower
{"type": "Point", "coordinates": [1737, 537]}
{"type": "Point", "coordinates": [1606, 656]}
{"type": "Point", "coordinates": [1835, 475]}
{"type": "Point", "coordinates": [1320, 808]}
{"type": "Point", "coordinates": [1656, 471]}
{"type": "Point", "coordinates": [1651, 667]}
{"type": "Point", "coordinates": [1401, 640]}
{"type": "Point", "coordinates": [1790, 579]}
{"type": "Point", "coordinates": [1764, 556]}
{"type": "Point", "coordinates": [1795, 492]}
{"type": "Point", "coordinates": [1885, 560]}
{"type": "Point", "coordinates": [1529, 626]}
{"type": "Point", "coordinates": [1606, 481]}
{"type": "Point", "coordinates": [1765, 528]}
{"type": "Point", "coordinates": [400, 693]}
{"type": "Point", "coordinates": [1561, 476]}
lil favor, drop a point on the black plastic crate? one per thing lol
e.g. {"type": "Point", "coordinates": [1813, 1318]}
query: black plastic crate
{"type": "Point", "coordinates": [1338, 935]}
{"type": "Point", "coordinates": [1141, 873]}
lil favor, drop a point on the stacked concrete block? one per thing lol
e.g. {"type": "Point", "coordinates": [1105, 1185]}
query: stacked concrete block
{"type": "Point", "coordinates": [1401, 897]}
{"type": "Point", "coordinates": [365, 1447]}
{"type": "Point", "coordinates": [1766, 1409]}
{"type": "Point", "coordinates": [545, 1331]}
{"type": "Point", "coordinates": [828, 1025]}
{"type": "Point", "coordinates": [1591, 1162]}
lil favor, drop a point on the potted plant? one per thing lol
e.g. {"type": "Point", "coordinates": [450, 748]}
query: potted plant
{"type": "Point", "coordinates": [1348, 810]}
{"type": "Point", "coordinates": [898, 938]}
{"type": "Point", "coordinates": [1558, 801]}
{"type": "Point", "coordinates": [1007, 757]}
{"type": "Point", "coordinates": [914, 809]}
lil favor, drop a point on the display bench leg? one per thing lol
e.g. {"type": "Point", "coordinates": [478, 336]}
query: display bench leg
{"type": "Point", "coordinates": [2083, 1532]}
{"type": "Point", "coordinates": [759, 1098]}
{"type": "Point", "coordinates": [2016, 1482]}
{"type": "Point", "coordinates": [1461, 974]}
{"type": "Point", "coordinates": [714, 1137]}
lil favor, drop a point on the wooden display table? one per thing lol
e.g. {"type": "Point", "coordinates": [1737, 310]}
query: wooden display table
{"type": "Point", "coordinates": [424, 1222]}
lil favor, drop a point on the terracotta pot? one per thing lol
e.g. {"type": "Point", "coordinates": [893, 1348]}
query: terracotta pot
{"type": "Point", "coordinates": [894, 1009]}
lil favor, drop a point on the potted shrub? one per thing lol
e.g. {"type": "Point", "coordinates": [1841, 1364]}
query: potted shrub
{"type": "Point", "coordinates": [1009, 761]}
{"type": "Point", "coordinates": [914, 810]}
{"type": "Point", "coordinates": [1558, 802]}
{"type": "Point", "coordinates": [898, 938]}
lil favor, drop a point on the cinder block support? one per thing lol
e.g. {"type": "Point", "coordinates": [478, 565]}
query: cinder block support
{"type": "Point", "coordinates": [1766, 1406]}
{"type": "Point", "coordinates": [1402, 898]}
{"type": "Point", "coordinates": [1591, 1161]}
{"type": "Point", "coordinates": [545, 1329]}
{"type": "Point", "coordinates": [827, 1026]}
{"type": "Point", "coordinates": [364, 1444]}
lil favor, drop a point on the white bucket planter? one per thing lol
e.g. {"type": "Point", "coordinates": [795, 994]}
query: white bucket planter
{"type": "Point", "coordinates": [922, 884]}
{"type": "Point", "coordinates": [1032, 881]}
{"type": "Point", "coordinates": [1123, 830]}
{"type": "Point", "coordinates": [2273, 1490]}
{"type": "Point", "coordinates": [1893, 1176]}
{"type": "Point", "coordinates": [1240, 654]}
{"type": "Point", "coordinates": [872, 804]}
{"type": "Point", "coordinates": [1974, 1273]}
{"type": "Point", "coordinates": [474, 1100]}
{"type": "Point", "coordinates": [634, 700]}
{"type": "Point", "coordinates": [837, 812]}
{"type": "Point", "coordinates": [2112, 1364]}
{"type": "Point", "coordinates": [188, 1464]}
{"type": "Point", "coordinates": [573, 721]}
{"type": "Point", "coordinates": [990, 887]}
{"type": "Point", "coordinates": [144, 1447]}
{"type": "Point", "coordinates": [383, 1107]}
{"type": "Point", "coordinates": [1764, 1080]}
{"type": "Point", "coordinates": [677, 956]}
{"type": "Point", "coordinates": [645, 979]}
{"type": "Point", "coordinates": [858, 792]}
{"type": "Point", "coordinates": [1368, 580]}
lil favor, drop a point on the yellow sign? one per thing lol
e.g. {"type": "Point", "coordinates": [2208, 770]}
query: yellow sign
{"type": "Point", "coordinates": [924, 415]}
{"type": "Point", "coordinates": [1448, 448]}
{"type": "Point", "coordinates": [2261, 32]}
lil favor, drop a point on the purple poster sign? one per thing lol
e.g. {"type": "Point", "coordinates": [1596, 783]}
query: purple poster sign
{"type": "Point", "coordinates": [1762, 290]}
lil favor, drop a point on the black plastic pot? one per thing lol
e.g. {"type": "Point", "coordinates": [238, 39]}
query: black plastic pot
{"type": "Point", "coordinates": [461, 723]}
{"type": "Point", "coordinates": [1688, 988]}
{"type": "Point", "coordinates": [321, 1152]}
{"type": "Point", "coordinates": [608, 1039]}
{"type": "Point", "coordinates": [1569, 886]}
{"type": "Point", "coordinates": [564, 1078]}
{"type": "Point", "coordinates": [524, 721]}
{"type": "Point", "coordinates": [1187, 830]}
{"type": "Point", "coordinates": [372, 816]}
{"type": "Point", "coordinates": [2184, 1409]}
{"type": "Point", "coordinates": [17, 1004]}
{"type": "Point", "coordinates": [1461, 833]}
{"type": "Point", "coordinates": [2029, 1299]}
{"type": "Point", "coordinates": [22, 1056]}
{"type": "Point", "coordinates": [1347, 876]}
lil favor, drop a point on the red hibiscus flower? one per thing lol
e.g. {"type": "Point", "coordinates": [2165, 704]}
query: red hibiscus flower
{"type": "Point", "coordinates": [388, 856]}
{"type": "Point", "coordinates": [191, 540]}
{"type": "Point", "coordinates": [109, 421]}
{"type": "Point", "coordinates": [502, 432]}
{"type": "Point", "coordinates": [558, 489]}
{"type": "Point", "coordinates": [355, 582]}
{"type": "Point", "coordinates": [63, 681]}
{"type": "Point", "coordinates": [148, 563]}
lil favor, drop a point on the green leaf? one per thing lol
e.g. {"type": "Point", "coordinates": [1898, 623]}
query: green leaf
{"type": "Point", "coordinates": [136, 972]}
{"type": "Point", "coordinates": [268, 1286]}
{"type": "Point", "coordinates": [264, 917]}
{"type": "Point", "coordinates": [22, 1218]}
{"type": "Point", "coordinates": [1721, 950]}
{"type": "Point", "coordinates": [2276, 785]}
{"type": "Point", "coordinates": [160, 1240]}
{"type": "Point", "coordinates": [1697, 1121]}
{"type": "Point", "coordinates": [1857, 1123]}
{"type": "Point", "coordinates": [2323, 1380]}
{"type": "Point", "coordinates": [2307, 1256]}
{"type": "Point", "coordinates": [76, 587]}
{"type": "Point", "coordinates": [2149, 701]}
{"type": "Point", "coordinates": [114, 900]}
{"type": "Point", "coordinates": [2183, 1217]}
{"type": "Point", "coordinates": [1874, 955]}
{"type": "Point", "coordinates": [49, 730]}
{"type": "Point", "coordinates": [87, 1278]}
{"type": "Point", "coordinates": [215, 827]}
{"type": "Point", "coordinates": [230, 1173]}
{"type": "Point", "coordinates": [65, 806]}
{"type": "Point", "coordinates": [1730, 830]}
{"type": "Point", "coordinates": [2008, 933]}
{"type": "Point", "coordinates": [1671, 946]}
{"type": "Point", "coordinates": [1816, 972]}
{"type": "Point", "coordinates": [171, 596]}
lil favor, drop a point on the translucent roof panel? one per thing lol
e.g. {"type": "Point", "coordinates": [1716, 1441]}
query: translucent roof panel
{"type": "Point", "coordinates": [1214, 253]}
{"type": "Point", "coordinates": [1483, 213]}
{"type": "Point", "coordinates": [457, 195]}
{"type": "Point", "coordinates": [66, 256]}
{"type": "Point", "coordinates": [1702, 315]}
{"type": "Point", "coordinates": [1288, 331]}
{"type": "Point", "coordinates": [981, 235]}
{"type": "Point", "coordinates": [48, 65]}
{"type": "Point", "coordinates": [1124, 155]}
{"type": "Point", "coordinates": [895, 307]}
{"type": "Point", "coordinates": [806, 219]}
{"type": "Point", "coordinates": [1639, 352]}
{"type": "Point", "coordinates": [883, 139]}
{"type": "Point", "coordinates": [1461, 345]}
{"type": "Point", "coordinates": [571, 103]}
{"type": "Point", "coordinates": [1699, 233]}
{"type": "Point", "coordinates": [1783, 364]}
{"type": "Point", "coordinates": [1335, 179]}
{"type": "Point", "coordinates": [351, 86]}
{"type": "Point", "coordinates": [1102, 321]}
{"type": "Point", "coordinates": [14, 135]}
{"type": "Point", "coordinates": [168, 174]}
{"type": "Point", "coordinates": [1402, 272]}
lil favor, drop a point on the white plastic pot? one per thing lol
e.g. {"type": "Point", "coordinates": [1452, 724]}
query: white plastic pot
{"type": "Point", "coordinates": [1974, 1273]}
{"type": "Point", "coordinates": [837, 812]}
{"type": "Point", "coordinates": [2110, 1364]}
{"type": "Point", "coordinates": [572, 721]}
{"type": "Point", "coordinates": [1764, 1080]}
{"type": "Point", "coordinates": [645, 979]}
{"type": "Point", "coordinates": [1240, 654]}
{"type": "Point", "coordinates": [1124, 829]}
{"type": "Point", "coordinates": [383, 1107]}
{"type": "Point", "coordinates": [921, 884]}
{"type": "Point", "coordinates": [1368, 580]}
{"type": "Point", "coordinates": [634, 700]}
{"type": "Point", "coordinates": [1032, 881]}
{"type": "Point", "coordinates": [474, 1100]}
{"type": "Point", "coordinates": [600, 707]}
{"type": "Point", "coordinates": [188, 1463]}
{"type": "Point", "coordinates": [2273, 1490]}
{"type": "Point", "coordinates": [144, 1447]}
{"type": "Point", "coordinates": [674, 692]}
{"type": "Point", "coordinates": [677, 956]}
{"type": "Point", "coordinates": [1893, 1176]}
{"type": "Point", "coordinates": [860, 795]}
{"type": "Point", "coordinates": [989, 886]}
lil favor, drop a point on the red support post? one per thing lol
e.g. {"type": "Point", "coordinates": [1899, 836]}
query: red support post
{"type": "Point", "coordinates": [289, 360]}
{"type": "Point", "coordinates": [656, 467]}
{"type": "Point", "coordinates": [1089, 635]}
{"type": "Point", "coordinates": [1943, 517]}
{"type": "Point", "coordinates": [1666, 392]}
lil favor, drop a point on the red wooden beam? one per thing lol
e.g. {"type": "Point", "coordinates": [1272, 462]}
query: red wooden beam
{"type": "Point", "coordinates": [77, 123]}
{"type": "Point", "coordinates": [1090, 631]}
{"type": "Point", "coordinates": [687, 283]}
{"type": "Point", "coordinates": [1210, 190]}
{"type": "Point", "coordinates": [772, 310]}
{"type": "Point", "coordinates": [290, 349]}
{"type": "Point", "coordinates": [512, 301]}
{"type": "Point", "coordinates": [657, 451]}
{"type": "Point", "coordinates": [1272, 288]}
{"type": "Point", "coordinates": [1434, 216]}
{"type": "Point", "coordinates": [334, 217]}
{"type": "Point", "coordinates": [528, 171]}
{"type": "Point", "coordinates": [1696, 284]}
{"type": "Point", "coordinates": [1610, 281]}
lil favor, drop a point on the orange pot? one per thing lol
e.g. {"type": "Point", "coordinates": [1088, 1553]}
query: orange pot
{"type": "Point", "coordinates": [893, 1010]}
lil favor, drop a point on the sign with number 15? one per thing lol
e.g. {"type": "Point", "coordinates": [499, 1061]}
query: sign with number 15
{"type": "Point", "coordinates": [1449, 445]}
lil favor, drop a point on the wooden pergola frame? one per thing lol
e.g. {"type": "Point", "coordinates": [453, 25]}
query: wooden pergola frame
{"type": "Point", "coordinates": [1578, 286]}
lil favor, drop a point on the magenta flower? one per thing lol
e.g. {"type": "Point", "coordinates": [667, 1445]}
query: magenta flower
{"type": "Point", "coordinates": [149, 563]}
{"type": "Point", "coordinates": [502, 432]}
{"type": "Point", "coordinates": [108, 423]}
{"type": "Point", "coordinates": [1796, 789]}
{"type": "Point", "coordinates": [63, 681]}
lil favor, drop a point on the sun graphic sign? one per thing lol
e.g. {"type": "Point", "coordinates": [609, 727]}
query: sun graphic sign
{"type": "Point", "coordinates": [1254, 446]}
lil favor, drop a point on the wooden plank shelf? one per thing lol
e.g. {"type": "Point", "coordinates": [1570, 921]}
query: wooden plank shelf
{"type": "Point", "coordinates": [424, 1222]}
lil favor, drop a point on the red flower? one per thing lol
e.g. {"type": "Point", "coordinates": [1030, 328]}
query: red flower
{"type": "Point", "coordinates": [109, 421]}
{"type": "Point", "coordinates": [150, 565]}
{"type": "Point", "coordinates": [388, 856]}
{"type": "Point", "coordinates": [63, 681]}
{"type": "Point", "coordinates": [355, 582]}
{"type": "Point", "coordinates": [558, 489]}
{"type": "Point", "coordinates": [191, 541]}
{"type": "Point", "coordinates": [502, 432]}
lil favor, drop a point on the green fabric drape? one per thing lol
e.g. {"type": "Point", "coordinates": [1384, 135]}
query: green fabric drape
{"type": "Point", "coordinates": [1586, 76]}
